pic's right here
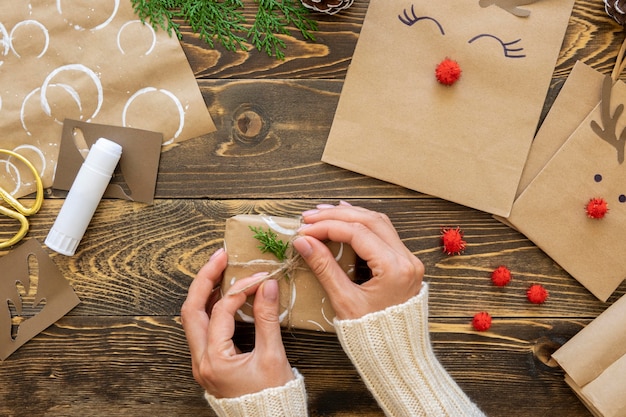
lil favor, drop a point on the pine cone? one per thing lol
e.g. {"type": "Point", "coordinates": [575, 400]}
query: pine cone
{"type": "Point", "coordinates": [327, 6]}
{"type": "Point", "coordinates": [617, 10]}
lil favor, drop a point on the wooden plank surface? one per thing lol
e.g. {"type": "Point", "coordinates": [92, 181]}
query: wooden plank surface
{"type": "Point", "coordinates": [122, 351]}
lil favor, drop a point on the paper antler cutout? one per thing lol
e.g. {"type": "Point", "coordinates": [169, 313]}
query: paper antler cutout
{"type": "Point", "coordinates": [609, 121]}
{"type": "Point", "coordinates": [54, 293]}
{"type": "Point", "coordinates": [138, 166]}
{"type": "Point", "coordinates": [509, 5]}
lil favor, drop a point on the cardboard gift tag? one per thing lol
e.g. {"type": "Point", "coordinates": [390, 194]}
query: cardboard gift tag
{"type": "Point", "coordinates": [93, 62]}
{"type": "Point", "coordinates": [465, 142]}
{"type": "Point", "coordinates": [595, 362]}
{"type": "Point", "coordinates": [303, 302]}
{"type": "Point", "coordinates": [550, 210]}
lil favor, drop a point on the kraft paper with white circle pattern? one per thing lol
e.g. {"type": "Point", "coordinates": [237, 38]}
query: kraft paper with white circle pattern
{"type": "Point", "coordinates": [91, 61]}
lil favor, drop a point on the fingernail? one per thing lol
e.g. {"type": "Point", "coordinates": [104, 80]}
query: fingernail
{"type": "Point", "coordinates": [303, 226]}
{"type": "Point", "coordinates": [324, 206]}
{"type": "Point", "coordinates": [344, 203]}
{"type": "Point", "coordinates": [310, 212]}
{"type": "Point", "coordinates": [303, 247]}
{"type": "Point", "coordinates": [248, 282]}
{"type": "Point", "coordinates": [216, 254]}
{"type": "Point", "coordinates": [270, 290]}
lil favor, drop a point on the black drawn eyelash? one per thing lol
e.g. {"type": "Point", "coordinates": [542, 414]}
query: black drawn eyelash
{"type": "Point", "coordinates": [509, 51]}
{"type": "Point", "coordinates": [412, 19]}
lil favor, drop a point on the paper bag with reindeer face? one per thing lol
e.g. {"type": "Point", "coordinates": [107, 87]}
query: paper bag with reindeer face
{"type": "Point", "coordinates": [551, 209]}
{"type": "Point", "coordinates": [465, 142]}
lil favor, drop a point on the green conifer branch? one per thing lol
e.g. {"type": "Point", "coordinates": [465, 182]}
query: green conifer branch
{"type": "Point", "coordinates": [223, 22]}
{"type": "Point", "coordinates": [270, 243]}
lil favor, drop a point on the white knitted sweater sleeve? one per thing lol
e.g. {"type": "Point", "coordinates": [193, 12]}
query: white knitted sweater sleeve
{"type": "Point", "coordinates": [392, 352]}
{"type": "Point", "coordinates": [286, 400]}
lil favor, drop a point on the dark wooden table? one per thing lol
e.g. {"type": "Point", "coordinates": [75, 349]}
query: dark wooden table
{"type": "Point", "coordinates": [122, 351]}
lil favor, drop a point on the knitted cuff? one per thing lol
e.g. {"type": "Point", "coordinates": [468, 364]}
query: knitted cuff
{"type": "Point", "coordinates": [287, 400]}
{"type": "Point", "coordinates": [392, 352]}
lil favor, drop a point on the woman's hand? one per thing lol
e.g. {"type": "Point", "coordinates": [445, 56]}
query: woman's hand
{"type": "Point", "coordinates": [396, 273]}
{"type": "Point", "coordinates": [209, 324]}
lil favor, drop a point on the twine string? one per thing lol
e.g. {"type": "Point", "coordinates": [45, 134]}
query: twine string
{"type": "Point", "coordinates": [281, 269]}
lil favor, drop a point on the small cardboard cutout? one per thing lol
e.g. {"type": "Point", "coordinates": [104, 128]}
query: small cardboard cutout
{"type": "Point", "coordinates": [511, 6]}
{"type": "Point", "coordinates": [467, 142]}
{"type": "Point", "coordinates": [93, 62]}
{"type": "Point", "coordinates": [550, 210]}
{"type": "Point", "coordinates": [138, 166]}
{"type": "Point", "coordinates": [53, 295]}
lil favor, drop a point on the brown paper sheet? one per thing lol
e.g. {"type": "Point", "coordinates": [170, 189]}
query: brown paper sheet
{"type": "Point", "coordinates": [467, 142]}
{"type": "Point", "coordinates": [93, 62]}
{"type": "Point", "coordinates": [303, 302]}
{"type": "Point", "coordinates": [550, 211]}
{"type": "Point", "coordinates": [54, 295]}
{"type": "Point", "coordinates": [595, 362]}
{"type": "Point", "coordinates": [135, 178]}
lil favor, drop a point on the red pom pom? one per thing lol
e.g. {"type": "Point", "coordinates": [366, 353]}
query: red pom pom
{"type": "Point", "coordinates": [448, 72]}
{"type": "Point", "coordinates": [481, 321]}
{"type": "Point", "coordinates": [596, 208]}
{"type": "Point", "coordinates": [501, 276]}
{"type": "Point", "coordinates": [452, 239]}
{"type": "Point", "coordinates": [536, 294]}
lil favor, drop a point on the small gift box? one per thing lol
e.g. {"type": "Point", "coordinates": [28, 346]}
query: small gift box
{"type": "Point", "coordinates": [303, 302]}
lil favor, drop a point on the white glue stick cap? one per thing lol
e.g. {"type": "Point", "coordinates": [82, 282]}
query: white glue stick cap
{"type": "Point", "coordinates": [84, 196]}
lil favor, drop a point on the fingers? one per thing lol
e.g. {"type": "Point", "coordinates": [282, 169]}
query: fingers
{"type": "Point", "coordinates": [365, 242]}
{"type": "Point", "coordinates": [194, 315]}
{"type": "Point", "coordinates": [266, 318]}
{"type": "Point", "coordinates": [222, 324]}
{"type": "Point", "coordinates": [377, 223]}
{"type": "Point", "coordinates": [330, 275]}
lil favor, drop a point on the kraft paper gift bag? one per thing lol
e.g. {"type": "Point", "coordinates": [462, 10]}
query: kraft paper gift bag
{"type": "Point", "coordinates": [92, 62]}
{"type": "Point", "coordinates": [303, 302]}
{"type": "Point", "coordinates": [594, 361]}
{"type": "Point", "coordinates": [552, 209]}
{"type": "Point", "coordinates": [465, 142]}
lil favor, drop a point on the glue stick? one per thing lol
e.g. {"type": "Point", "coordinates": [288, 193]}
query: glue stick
{"type": "Point", "coordinates": [84, 196]}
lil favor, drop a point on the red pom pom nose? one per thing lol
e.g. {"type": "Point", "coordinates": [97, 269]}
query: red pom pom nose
{"type": "Point", "coordinates": [448, 72]}
{"type": "Point", "coordinates": [596, 208]}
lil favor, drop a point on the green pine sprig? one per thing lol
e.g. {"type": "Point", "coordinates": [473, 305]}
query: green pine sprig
{"type": "Point", "coordinates": [270, 243]}
{"type": "Point", "coordinates": [223, 22]}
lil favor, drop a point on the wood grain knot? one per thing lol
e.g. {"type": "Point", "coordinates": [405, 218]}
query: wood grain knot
{"type": "Point", "coordinates": [250, 125]}
{"type": "Point", "coordinates": [543, 350]}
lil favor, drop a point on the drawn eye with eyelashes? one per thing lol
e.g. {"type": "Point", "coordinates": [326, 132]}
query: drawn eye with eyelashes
{"type": "Point", "coordinates": [510, 48]}
{"type": "Point", "coordinates": [411, 19]}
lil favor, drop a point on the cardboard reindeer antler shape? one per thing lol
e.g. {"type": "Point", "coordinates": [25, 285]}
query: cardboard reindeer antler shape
{"type": "Point", "coordinates": [53, 295]}
{"type": "Point", "coordinates": [510, 6]}
{"type": "Point", "coordinates": [609, 121]}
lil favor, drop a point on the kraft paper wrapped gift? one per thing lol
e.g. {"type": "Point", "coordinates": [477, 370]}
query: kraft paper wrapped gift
{"type": "Point", "coordinates": [303, 302]}
{"type": "Point", "coordinates": [595, 362]}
